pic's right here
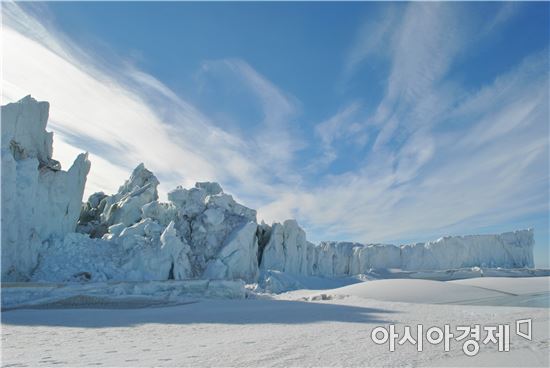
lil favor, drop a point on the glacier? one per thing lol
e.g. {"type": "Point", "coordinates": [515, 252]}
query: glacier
{"type": "Point", "coordinates": [40, 202]}
{"type": "Point", "coordinates": [200, 233]}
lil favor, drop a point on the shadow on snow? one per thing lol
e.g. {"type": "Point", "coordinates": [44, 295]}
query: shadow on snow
{"type": "Point", "coordinates": [204, 311]}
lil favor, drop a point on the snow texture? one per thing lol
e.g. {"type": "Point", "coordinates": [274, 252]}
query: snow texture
{"type": "Point", "coordinates": [200, 233]}
{"type": "Point", "coordinates": [119, 294]}
{"type": "Point", "coordinates": [305, 328]}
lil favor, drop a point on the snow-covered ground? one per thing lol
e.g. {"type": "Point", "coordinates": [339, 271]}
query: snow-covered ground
{"type": "Point", "coordinates": [496, 291]}
{"type": "Point", "coordinates": [299, 328]}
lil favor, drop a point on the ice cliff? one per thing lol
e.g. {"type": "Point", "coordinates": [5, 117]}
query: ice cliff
{"type": "Point", "coordinates": [200, 233]}
{"type": "Point", "coordinates": [40, 202]}
{"type": "Point", "coordinates": [287, 250]}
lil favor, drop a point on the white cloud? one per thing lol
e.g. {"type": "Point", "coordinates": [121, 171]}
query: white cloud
{"type": "Point", "coordinates": [123, 116]}
{"type": "Point", "coordinates": [274, 138]}
{"type": "Point", "coordinates": [372, 39]}
{"type": "Point", "coordinates": [339, 126]}
{"type": "Point", "coordinates": [506, 11]}
{"type": "Point", "coordinates": [464, 187]}
{"type": "Point", "coordinates": [445, 159]}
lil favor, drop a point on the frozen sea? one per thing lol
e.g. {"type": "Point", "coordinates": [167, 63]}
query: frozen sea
{"type": "Point", "coordinates": [300, 328]}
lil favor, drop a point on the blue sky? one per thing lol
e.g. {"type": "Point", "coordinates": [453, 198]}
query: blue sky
{"type": "Point", "coordinates": [372, 122]}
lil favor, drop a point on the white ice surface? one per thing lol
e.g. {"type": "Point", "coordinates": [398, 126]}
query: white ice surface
{"type": "Point", "coordinates": [280, 331]}
{"type": "Point", "coordinates": [279, 282]}
{"type": "Point", "coordinates": [529, 291]}
{"type": "Point", "coordinates": [519, 285]}
{"type": "Point", "coordinates": [412, 291]}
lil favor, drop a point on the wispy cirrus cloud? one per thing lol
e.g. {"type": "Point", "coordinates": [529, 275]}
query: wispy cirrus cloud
{"type": "Point", "coordinates": [372, 39]}
{"type": "Point", "coordinates": [341, 126]}
{"type": "Point", "coordinates": [272, 133]}
{"type": "Point", "coordinates": [469, 180]}
{"type": "Point", "coordinates": [446, 158]}
{"type": "Point", "coordinates": [124, 116]}
{"type": "Point", "coordinates": [506, 12]}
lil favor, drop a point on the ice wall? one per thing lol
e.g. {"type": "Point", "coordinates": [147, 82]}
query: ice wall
{"type": "Point", "coordinates": [507, 250]}
{"type": "Point", "coordinates": [200, 233]}
{"type": "Point", "coordinates": [40, 202]}
{"type": "Point", "coordinates": [287, 250]}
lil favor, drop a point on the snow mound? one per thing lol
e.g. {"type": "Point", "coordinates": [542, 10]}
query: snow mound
{"type": "Point", "coordinates": [414, 291]}
{"type": "Point", "coordinates": [503, 291]}
{"type": "Point", "coordinates": [493, 291]}
{"type": "Point", "coordinates": [518, 285]}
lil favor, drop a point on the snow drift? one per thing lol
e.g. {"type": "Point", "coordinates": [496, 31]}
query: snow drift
{"type": "Point", "coordinates": [200, 233]}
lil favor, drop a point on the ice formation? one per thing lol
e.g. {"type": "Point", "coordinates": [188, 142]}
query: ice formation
{"type": "Point", "coordinates": [287, 250]}
{"type": "Point", "coordinates": [200, 233]}
{"type": "Point", "coordinates": [40, 202]}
